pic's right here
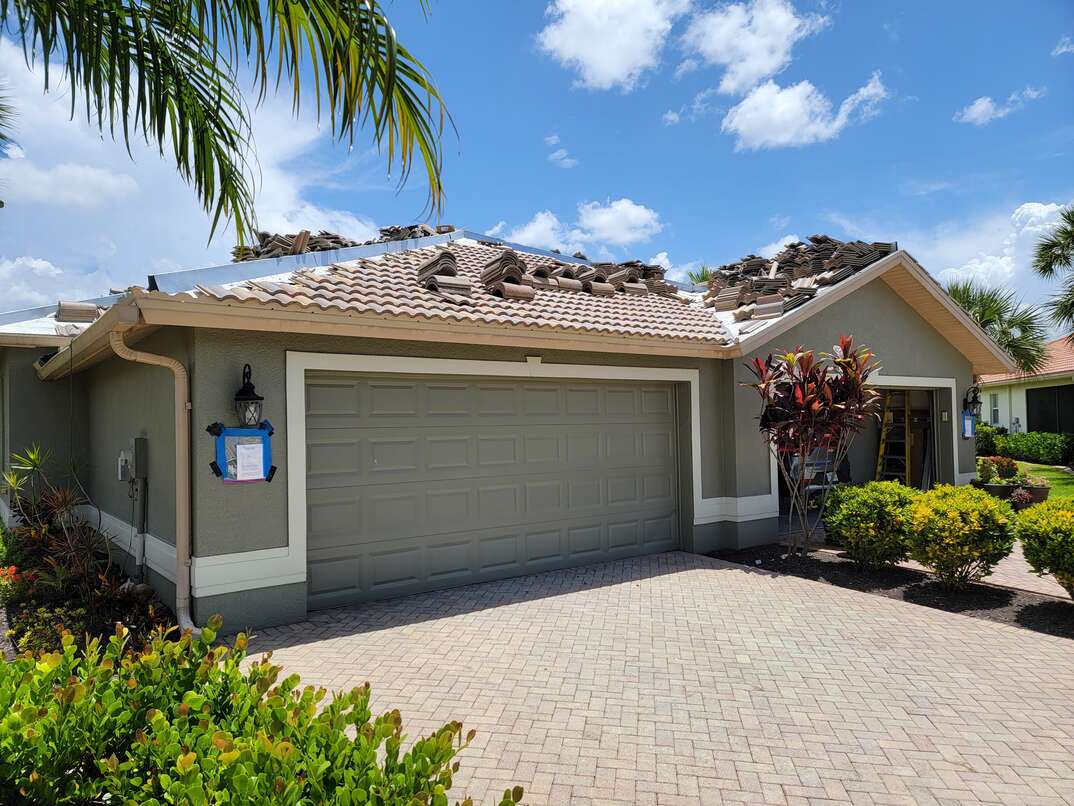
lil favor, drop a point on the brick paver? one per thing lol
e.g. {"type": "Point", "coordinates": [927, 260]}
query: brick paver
{"type": "Point", "coordinates": [1014, 572]}
{"type": "Point", "coordinates": [678, 678]}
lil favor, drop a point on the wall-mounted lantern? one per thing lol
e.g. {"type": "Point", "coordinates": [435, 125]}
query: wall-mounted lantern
{"type": "Point", "coordinates": [972, 401]}
{"type": "Point", "coordinates": [248, 401]}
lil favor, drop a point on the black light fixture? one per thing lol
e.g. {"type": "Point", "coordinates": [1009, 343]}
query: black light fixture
{"type": "Point", "coordinates": [972, 401]}
{"type": "Point", "coordinates": [248, 401]}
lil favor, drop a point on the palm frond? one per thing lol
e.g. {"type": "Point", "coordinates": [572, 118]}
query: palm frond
{"type": "Point", "coordinates": [167, 71]}
{"type": "Point", "coordinates": [1055, 251]}
{"type": "Point", "coordinates": [700, 276]}
{"type": "Point", "coordinates": [1019, 329]}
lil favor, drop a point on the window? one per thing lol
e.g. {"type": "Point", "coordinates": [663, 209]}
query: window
{"type": "Point", "coordinates": [993, 404]}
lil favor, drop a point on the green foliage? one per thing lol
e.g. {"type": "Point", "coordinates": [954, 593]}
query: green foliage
{"type": "Point", "coordinates": [836, 496]}
{"type": "Point", "coordinates": [1047, 534]}
{"type": "Point", "coordinates": [960, 532]}
{"type": "Point", "coordinates": [872, 521]}
{"type": "Point", "coordinates": [169, 72]}
{"type": "Point", "coordinates": [59, 566]}
{"type": "Point", "coordinates": [1054, 256]}
{"type": "Point", "coordinates": [1041, 447]}
{"type": "Point", "coordinates": [700, 276]}
{"type": "Point", "coordinates": [39, 629]}
{"type": "Point", "coordinates": [1006, 468]}
{"type": "Point", "coordinates": [986, 470]}
{"type": "Point", "coordinates": [986, 439]}
{"type": "Point", "coordinates": [1021, 330]}
{"type": "Point", "coordinates": [184, 722]}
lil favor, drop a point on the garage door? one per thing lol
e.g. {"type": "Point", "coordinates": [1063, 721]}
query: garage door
{"type": "Point", "coordinates": [422, 483]}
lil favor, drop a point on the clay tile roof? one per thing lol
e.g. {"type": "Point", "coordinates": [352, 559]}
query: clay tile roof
{"type": "Point", "coordinates": [1059, 361]}
{"type": "Point", "coordinates": [389, 285]}
{"type": "Point", "coordinates": [758, 288]}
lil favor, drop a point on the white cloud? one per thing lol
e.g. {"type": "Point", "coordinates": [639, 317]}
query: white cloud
{"type": "Point", "coordinates": [610, 43]}
{"type": "Point", "coordinates": [612, 224]}
{"type": "Point", "coordinates": [926, 187]}
{"type": "Point", "coordinates": [675, 271]}
{"type": "Point", "coordinates": [66, 184]}
{"type": "Point", "coordinates": [984, 110]}
{"type": "Point", "coordinates": [774, 248]}
{"type": "Point", "coordinates": [671, 118]}
{"type": "Point", "coordinates": [995, 248]}
{"type": "Point", "coordinates": [618, 222]}
{"type": "Point", "coordinates": [496, 228]}
{"type": "Point", "coordinates": [562, 158]}
{"type": "Point", "coordinates": [76, 199]}
{"type": "Point", "coordinates": [774, 117]}
{"type": "Point", "coordinates": [752, 41]}
{"type": "Point", "coordinates": [1063, 46]}
{"type": "Point", "coordinates": [552, 140]}
{"type": "Point", "coordinates": [687, 66]}
{"type": "Point", "coordinates": [698, 108]}
{"type": "Point", "coordinates": [30, 282]}
{"type": "Point", "coordinates": [779, 221]}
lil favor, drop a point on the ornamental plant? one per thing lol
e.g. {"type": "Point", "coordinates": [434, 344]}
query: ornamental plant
{"type": "Point", "coordinates": [873, 522]}
{"type": "Point", "coordinates": [986, 470]}
{"type": "Point", "coordinates": [1047, 534]}
{"type": "Point", "coordinates": [813, 404]}
{"type": "Point", "coordinates": [960, 533]}
{"type": "Point", "coordinates": [182, 721]}
{"type": "Point", "coordinates": [1006, 468]}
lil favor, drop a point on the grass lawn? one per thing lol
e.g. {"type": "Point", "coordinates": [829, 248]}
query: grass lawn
{"type": "Point", "coordinates": [1062, 481]}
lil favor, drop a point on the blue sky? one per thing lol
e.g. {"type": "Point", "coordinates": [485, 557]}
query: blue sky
{"type": "Point", "coordinates": [669, 130]}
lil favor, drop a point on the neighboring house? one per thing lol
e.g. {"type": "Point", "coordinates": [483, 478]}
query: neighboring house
{"type": "Point", "coordinates": [1038, 401]}
{"type": "Point", "coordinates": [447, 410]}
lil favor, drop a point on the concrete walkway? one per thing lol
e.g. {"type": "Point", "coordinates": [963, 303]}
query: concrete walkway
{"type": "Point", "coordinates": [678, 679]}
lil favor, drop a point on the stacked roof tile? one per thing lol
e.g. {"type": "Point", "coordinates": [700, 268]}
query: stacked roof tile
{"type": "Point", "coordinates": [470, 281]}
{"type": "Point", "coordinates": [766, 288]}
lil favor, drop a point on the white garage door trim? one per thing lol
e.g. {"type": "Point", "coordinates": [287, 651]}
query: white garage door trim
{"type": "Point", "coordinates": [293, 563]}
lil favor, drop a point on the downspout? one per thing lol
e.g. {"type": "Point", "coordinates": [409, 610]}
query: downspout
{"type": "Point", "coordinates": [182, 469]}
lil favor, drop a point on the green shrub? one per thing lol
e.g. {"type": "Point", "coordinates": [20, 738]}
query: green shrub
{"type": "Point", "coordinates": [834, 501]}
{"type": "Point", "coordinates": [960, 532]}
{"type": "Point", "coordinates": [1006, 468]}
{"type": "Point", "coordinates": [1039, 447]}
{"type": "Point", "coordinates": [1047, 534]}
{"type": "Point", "coordinates": [37, 629]}
{"type": "Point", "coordinates": [986, 439]}
{"type": "Point", "coordinates": [184, 722]}
{"type": "Point", "coordinates": [986, 470]}
{"type": "Point", "coordinates": [872, 522]}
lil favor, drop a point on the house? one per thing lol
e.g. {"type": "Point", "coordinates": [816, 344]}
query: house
{"type": "Point", "coordinates": [1037, 401]}
{"type": "Point", "coordinates": [448, 408]}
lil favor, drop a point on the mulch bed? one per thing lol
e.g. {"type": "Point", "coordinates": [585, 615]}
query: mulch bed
{"type": "Point", "coordinates": [1033, 611]}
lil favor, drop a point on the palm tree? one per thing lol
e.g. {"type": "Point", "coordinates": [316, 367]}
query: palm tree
{"type": "Point", "coordinates": [1055, 254]}
{"type": "Point", "coordinates": [700, 275]}
{"type": "Point", "coordinates": [169, 71]}
{"type": "Point", "coordinates": [1019, 329]}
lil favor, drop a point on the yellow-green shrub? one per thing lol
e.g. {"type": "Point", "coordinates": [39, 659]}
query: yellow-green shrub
{"type": "Point", "coordinates": [960, 532]}
{"type": "Point", "coordinates": [1047, 534]}
{"type": "Point", "coordinates": [872, 522]}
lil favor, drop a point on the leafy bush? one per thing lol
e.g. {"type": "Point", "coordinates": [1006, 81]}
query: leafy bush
{"type": "Point", "coordinates": [872, 522]}
{"type": "Point", "coordinates": [836, 496]}
{"type": "Point", "coordinates": [960, 532]}
{"type": "Point", "coordinates": [1040, 447]}
{"type": "Point", "coordinates": [1006, 468]}
{"type": "Point", "coordinates": [183, 722]}
{"type": "Point", "coordinates": [986, 470]}
{"type": "Point", "coordinates": [59, 565]}
{"type": "Point", "coordinates": [986, 439]}
{"type": "Point", "coordinates": [1020, 497]}
{"type": "Point", "coordinates": [1047, 534]}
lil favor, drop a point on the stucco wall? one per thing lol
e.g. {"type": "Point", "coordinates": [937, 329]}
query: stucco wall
{"type": "Point", "coordinates": [905, 344]}
{"type": "Point", "coordinates": [52, 415]}
{"type": "Point", "coordinates": [125, 400]}
{"type": "Point", "coordinates": [230, 518]}
{"type": "Point", "coordinates": [1012, 400]}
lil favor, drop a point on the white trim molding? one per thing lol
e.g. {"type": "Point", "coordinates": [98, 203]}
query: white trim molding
{"type": "Point", "coordinates": [912, 382]}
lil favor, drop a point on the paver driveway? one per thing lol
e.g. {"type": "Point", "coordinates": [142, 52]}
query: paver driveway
{"type": "Point", "coordinates": [681, 679]}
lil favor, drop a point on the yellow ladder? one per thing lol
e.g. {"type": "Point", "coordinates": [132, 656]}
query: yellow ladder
{"type": "Point", "coordinates": [893, 455]}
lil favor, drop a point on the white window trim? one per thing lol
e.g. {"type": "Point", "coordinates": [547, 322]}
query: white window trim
{"type": "Point", "coordinates": [911, 382]}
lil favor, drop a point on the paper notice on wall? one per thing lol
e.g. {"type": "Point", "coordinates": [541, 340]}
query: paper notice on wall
{"type": "Point", "coordinates": [249, 462]}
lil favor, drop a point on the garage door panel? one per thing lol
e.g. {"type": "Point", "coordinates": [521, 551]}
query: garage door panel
{"type": "Point", "coordinates": [416, 484]}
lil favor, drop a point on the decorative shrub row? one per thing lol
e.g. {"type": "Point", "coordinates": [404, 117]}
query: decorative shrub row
{"type": "Point", "coordinates": [986, 438]}
{"type": "Point", "coordinates": [1039, 447]}
{"type": "Point", "coordinates": [958, 532]}
{"type": "Point", "coordinates": [182, 722]}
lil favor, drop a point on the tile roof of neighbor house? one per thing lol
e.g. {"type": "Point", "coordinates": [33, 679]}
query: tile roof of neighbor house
{"type": "Point", "coordinates": [389, 285]}
{"type": "Point", "coordinates": [1059, 361]}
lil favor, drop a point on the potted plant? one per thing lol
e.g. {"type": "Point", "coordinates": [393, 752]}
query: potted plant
{"type": "Point", "coordinates": [1000, 476]}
